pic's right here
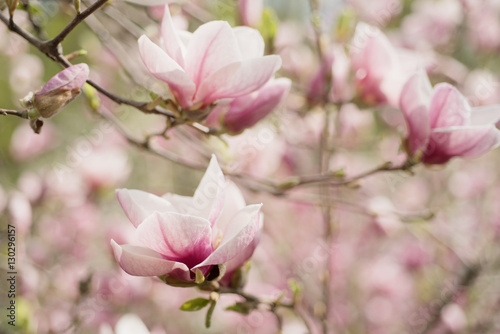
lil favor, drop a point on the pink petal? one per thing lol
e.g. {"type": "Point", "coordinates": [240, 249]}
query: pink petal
{"type": "Point", "coordinates": [243, 256]}
{"type": "Point", "coordinates": [72, 77]}
{"type": "Point", "coordinates": [414, 102]}
{"type": "Point", "coordinates": [372, 55]}
{"type": "Point", "coordinates": [182, 204]}
{"type": "Point", "coordinates": [233, 203]}
{"type": "Point", "coordinates": [208, 198]}
{"type": "Point", "coordinates": [485, 115]}
{"type": "Point", "coordinates": [164, 68]}
{"type": "Point", "coordinates": [138, 205]}
{"type": "Point", "coordinates": [250, 42]}
{"type": "Point", "coordinates": [171, 42]}
{"type": "Point", "coordinates": [238, 79]}
{"type": "Point", "coordinates": [470, 141]}
{"type": "Point", "coordinates": [247, 110]}
{"type": "Point", "coordinates": [212, 46]}
{"type": "Point", "coordinates": [140, 261]}
{"type": "Point", "coordinates": [178, 237]}
{"type": "Point", "coordinates": [448, 107]}
{"type": "Point", "coordinates": [240, 233]}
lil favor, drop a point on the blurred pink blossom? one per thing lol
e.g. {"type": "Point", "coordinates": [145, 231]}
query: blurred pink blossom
{"type": "Point", "coordinates": [214, 62]}
{"type": "Point", "coordinates": [251, 12]}
{"type": "Point", "coordinates": [380, 69]}
{"type": "Point", "coordinates": [25, 144]}
{"type": "Point", "coordinates": [178, 234]}
{"type": "Point", "coordinates": [441, 124]}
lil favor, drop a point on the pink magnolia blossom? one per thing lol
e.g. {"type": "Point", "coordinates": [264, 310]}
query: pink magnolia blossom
{"type": "Point", "coordinates": [251, 12]}
{"type": "Point", "coordinates": [60, 90]}
{"type": "Point", "coordinates": [245, 111]}
{"type": "Point", "coordinates": [175, 235]}
{"type": "Point", "coordinates": [214, 62]}
{"type": "Point", "coordinates": [380, 69]}
{"type": "Point", "coordinates": [441, 124]}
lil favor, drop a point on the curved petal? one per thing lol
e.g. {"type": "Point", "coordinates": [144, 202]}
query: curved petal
{"type": "Point", "coordinates": [249, 109]}
{"type": "Point", "coordinates": [238, 79]}
{"type": "Point", "coordinates": [414, 102]}
{"type": "Point", "coordinates": [208, 198]}
{"type": "Point", "coordinates": [71, 77]}
{"type": "Point", "coordinates": [138, 205]}
{"type": "Point", "coordinates": [470, 141]}
{"type": "Point", "coordinates": [245, 255]}
{"type": "Point", "coordinates": [182, 204]}
{"type": "Point", "coordinates": [171, 42]}
{"type": "Point", "coordinates": [485, 115]}
{"type": "Point", "coordinates": [141, 261]}
{"type": "Point", "coordinates": [164, 68]}
{"type": "Point", "coordinates": [240, 233]}
{"type": "Point", "coordinates": [178, 237]}
{"type": "Point", "coordinates": [233, 203]}
{"type": "Point", "coordinates": [212, 46]}
{"type": "Point", "coordinates": [250, 42]}
{"type": "Point", "coordinates": [448, 107]}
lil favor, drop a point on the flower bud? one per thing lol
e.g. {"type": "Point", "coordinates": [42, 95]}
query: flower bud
{"type": "Point", "coordinates": [60, 90]}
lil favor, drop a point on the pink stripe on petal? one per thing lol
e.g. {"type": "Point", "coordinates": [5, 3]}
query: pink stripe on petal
{"type": "Point", "coordinates": [414, 101]}
{"type": "Point", "coordinates": [141, 261]}
{"type": "Point", "coordinates": [470, 141]}
{"type": "Point", "coordinates": [238, 79]}
{"type": "Point", "coordinates": [240, 233]}
{"type": "Point", "coordinates": [171, 42]}
{"type": "Point", "coordinates": [448, 107]}
{"type": "Point", "coordinates": [138, 205]}
{"type": "Point", "coordinates": [208, 198]}
{"type": "Point", "coordinates": [213, 45]}
{"type": "Point", "coordinates": [164, 68]}
{"type": "Point", "coordinates": [181, 238]}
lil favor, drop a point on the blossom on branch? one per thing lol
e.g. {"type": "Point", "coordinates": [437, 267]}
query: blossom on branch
{"type": "Point", "coordinates": [176, 235]}
{"type": "Point", "coordinates": [245, 111]}
{"type": "Point", "coordinates": [441, 124]}
{"type": "Point", "coordinates": [60, 90]}
{"type": "Point", "coordinates": [215, 62]}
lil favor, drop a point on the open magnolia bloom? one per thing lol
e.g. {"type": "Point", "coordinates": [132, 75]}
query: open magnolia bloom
{"type": "Point", "coordinates": [441, 124]}
{"type": "Point", "coordinates": [214, 62]}
{"type": "Point", "coordinates": [176, 235]}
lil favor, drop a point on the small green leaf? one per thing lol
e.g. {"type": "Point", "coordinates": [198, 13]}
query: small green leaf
{"type": "Point", "coordinates": [199, 276]}
{"type": "Point", "coordinates": [195, 304]}
{"type": "Point", "coordinates": [268, 25]}
{"type": "Point", "coordinates": [92, 96]}
{"type": "Point", "coordinates": [208, 319]}
{"type": "Point", "coordinates": [243, 308]}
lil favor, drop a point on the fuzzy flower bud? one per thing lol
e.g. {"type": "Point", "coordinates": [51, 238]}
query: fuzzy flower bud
{"type": "Point", "coordinates": [60, 90]}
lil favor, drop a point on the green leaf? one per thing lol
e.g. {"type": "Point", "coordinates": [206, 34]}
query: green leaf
{"type": "Point", "coordinates": [195, 304]}
{"type": "Point", "coordinates": [243, 308]}
{"type": "Point", "coordinates": [208, 319]}
{"type": "Point", "coordinates": [199, 276]}
{"type": "Point", "coordinates": [269, 24]}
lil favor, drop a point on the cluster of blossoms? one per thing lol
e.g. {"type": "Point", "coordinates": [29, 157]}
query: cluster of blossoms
{"type": "Point", "coordinates": [219, 85]}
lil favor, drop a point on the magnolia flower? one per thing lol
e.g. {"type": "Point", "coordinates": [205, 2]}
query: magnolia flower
{"type": "Point", "coordinates": [441, 124]}
{"type": "Point", "coordinates": [176, 235]}
{"type": "Point", "coordinates": [245, 111]}
{"type": "Point", "coordinates": [214, 62]}
{"type": "Point", "coordinates": [60, 90]}
{"type": "Point", "coordinates": [380, 69]}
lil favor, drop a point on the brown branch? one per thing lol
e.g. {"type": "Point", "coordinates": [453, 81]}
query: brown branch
{"type": "Point", "coordinates": [18, 113]}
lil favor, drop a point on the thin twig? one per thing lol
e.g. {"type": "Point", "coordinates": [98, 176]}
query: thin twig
{"type": "Point", "coordinates": [18, 113]}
